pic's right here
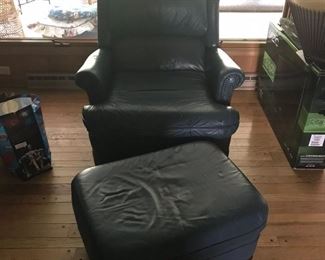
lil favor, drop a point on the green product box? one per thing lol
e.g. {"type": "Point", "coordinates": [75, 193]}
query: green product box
{"type": "Point", "coordinates": [292, 94]}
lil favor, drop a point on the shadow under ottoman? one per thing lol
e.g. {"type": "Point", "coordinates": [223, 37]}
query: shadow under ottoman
{"type": "Point", "coordinates": [185, 202]}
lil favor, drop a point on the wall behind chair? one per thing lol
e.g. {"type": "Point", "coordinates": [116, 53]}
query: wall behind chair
{"type": "Point", "coordinates": [38, 57]}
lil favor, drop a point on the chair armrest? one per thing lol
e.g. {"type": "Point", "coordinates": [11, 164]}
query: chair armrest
{"type": "Point", "coordinates": [95, 75]}
{"type": "Point", "coordinates": [223, 75]}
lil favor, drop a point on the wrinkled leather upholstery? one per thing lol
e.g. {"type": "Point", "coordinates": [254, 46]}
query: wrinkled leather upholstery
{"type": "Point", "coordinates": [153, 106]}
{"type": "Point", "coordinates": [158, 53]}
{"type": "Point", "coordinates": [162, 17]}
{"type": "Point", "coordinates": [182, 18]}
{"type": "Point", "coordinates": [186, 202]}
{"type": "Point", "coordinates": [157, 69]}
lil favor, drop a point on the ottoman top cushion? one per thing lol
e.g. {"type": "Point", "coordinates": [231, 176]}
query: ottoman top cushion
{"type": "Point", "coordinates": [190, 196]}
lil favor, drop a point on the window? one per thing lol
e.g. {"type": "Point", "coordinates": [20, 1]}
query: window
{"type": "Point", "coordinates": [76, 19]}
{"type": "Point", "coordinates": [48, 19]}
{"type": "Point", "coordinates": [248, 19]}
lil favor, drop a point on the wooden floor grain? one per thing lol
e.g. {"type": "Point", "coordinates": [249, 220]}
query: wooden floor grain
{"type": "Point", "coordinates": [37, 221]}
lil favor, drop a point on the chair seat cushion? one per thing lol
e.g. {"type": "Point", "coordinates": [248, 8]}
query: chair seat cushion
{"type": "Point", "coordinates": [174, 104]}
{"type": "Point", "coordinates": [185, 202]}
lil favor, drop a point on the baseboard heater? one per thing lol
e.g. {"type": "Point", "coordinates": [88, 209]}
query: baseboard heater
{"type": "Point", "coordinates": [51, 81]}
{"type": "Point", "coordinates": [66, 81]}
{"type": "Point", "coordinates": [250, 82]}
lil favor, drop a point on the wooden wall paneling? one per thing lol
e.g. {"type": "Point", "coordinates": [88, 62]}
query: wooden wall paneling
{"type": "Point", "coordinates": [247, 55]}
{"type": "Point", "coordinates": [45, 57]}
{"type": "Point", "coordinates": [25, 58]}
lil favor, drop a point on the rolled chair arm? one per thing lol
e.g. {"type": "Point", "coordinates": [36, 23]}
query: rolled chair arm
{"type": "Point", "coordinates": [223, 75]}
{"type": "Point", "coordinates": [95, 76]}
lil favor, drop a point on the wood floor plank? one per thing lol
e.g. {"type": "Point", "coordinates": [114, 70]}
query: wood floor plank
{"type": "Point", "coordinates": [21, 230]}
{"type": "Point", "coordinates": [290, 252]}
{"type": "Point", "coordinates": [37, 220]}
{"type": "Point", "coordinates": [292, 218]}
{"type": "Point", "coordinates": [33, 208]}
{"type": "Point", "coordinates": [43, 254]}
{"type": "Point", "coordinates": [40, 242]}
{"type": "Point", "coordinates": [34, 199]}
{"type": "Point", "coordinates": [34, 189]}
{"type": "Point", "coordinates": [281, 171]}
{"type": "Point", "coordinates": [49, 179]}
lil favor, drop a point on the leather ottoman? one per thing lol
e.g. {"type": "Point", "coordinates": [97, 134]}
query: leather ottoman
{"type": "Point", "coordinates": [185, 202]}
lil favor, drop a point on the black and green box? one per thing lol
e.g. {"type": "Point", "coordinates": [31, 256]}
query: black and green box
{"type": "Point", "coordinates": [292, 94]}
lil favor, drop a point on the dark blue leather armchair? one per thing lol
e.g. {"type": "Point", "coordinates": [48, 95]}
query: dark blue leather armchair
{"type": "Point", "coordinates": [158, 78]}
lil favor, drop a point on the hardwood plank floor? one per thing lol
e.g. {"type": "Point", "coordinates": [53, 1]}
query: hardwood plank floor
{"type": "Point", "coordinates": [36, 217]}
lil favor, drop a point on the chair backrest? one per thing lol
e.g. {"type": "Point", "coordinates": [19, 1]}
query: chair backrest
{"type": "Point", "coordinates": [158, 34]}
